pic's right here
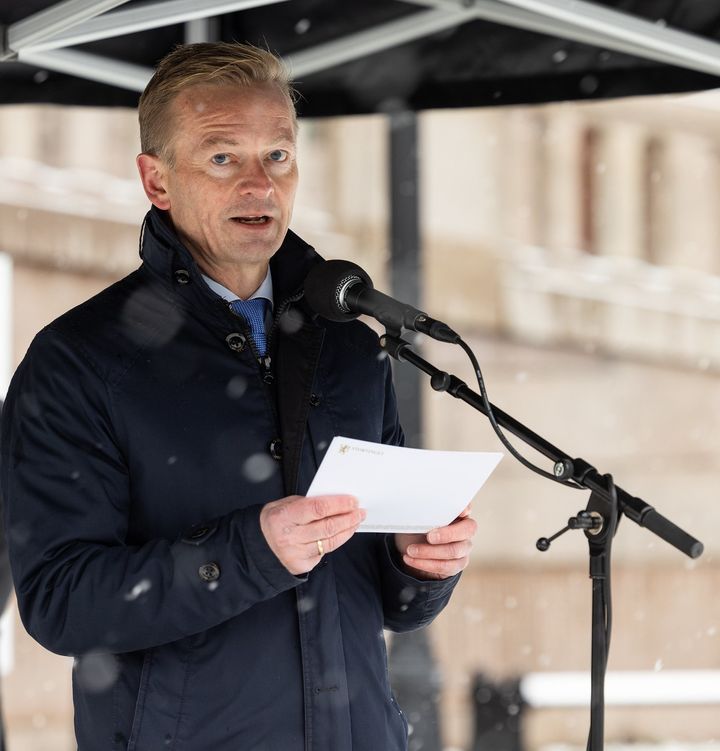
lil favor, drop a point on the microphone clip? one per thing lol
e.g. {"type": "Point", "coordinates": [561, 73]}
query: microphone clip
{"type": "Point", "coordinates": [392, 343]}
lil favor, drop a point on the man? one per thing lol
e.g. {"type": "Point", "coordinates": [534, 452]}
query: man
{"type": "Point", "coordinates": [159, 442]}
{"type": "Point", "coordinates": [5, 586]}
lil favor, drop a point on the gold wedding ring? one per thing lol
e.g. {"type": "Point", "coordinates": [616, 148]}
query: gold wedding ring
{"type": "Point", "coordinates": [321, 549]}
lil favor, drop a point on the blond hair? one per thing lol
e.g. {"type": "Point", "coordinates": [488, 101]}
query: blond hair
{"type": "Point", "coordinates": [209, 64]}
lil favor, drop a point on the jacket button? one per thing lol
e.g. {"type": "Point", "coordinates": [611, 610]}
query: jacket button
{"type": "Point", "coordinates": [236, 341]}
{"type": "Point", "coordinates": [182, 276]}
{"type": "Point", "coordinates": [275, 448]}
{"type": "Point", "coordinates": [268, 378]}
{"type": "Point", "coordinates": [209, 572]}
{"type": "Point", "coordinates": [315, 400]}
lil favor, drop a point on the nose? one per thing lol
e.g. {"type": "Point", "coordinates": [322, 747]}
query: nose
{"type": "Point", "coordinates": [255, 180]}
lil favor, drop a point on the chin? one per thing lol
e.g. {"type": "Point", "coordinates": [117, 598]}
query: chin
{"type": "Point", "coordinates": [256, 253]}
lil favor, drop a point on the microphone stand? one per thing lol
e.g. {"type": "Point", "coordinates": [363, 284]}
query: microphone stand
{"type": "Point", "coordinates": [599, 520]}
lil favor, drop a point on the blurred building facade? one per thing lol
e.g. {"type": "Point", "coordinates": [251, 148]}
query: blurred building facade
{"type": "Point", "coordinates": [576, 248]}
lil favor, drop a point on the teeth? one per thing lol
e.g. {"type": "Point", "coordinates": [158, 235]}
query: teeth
{"type": "Point", "coordinates": [252, 219]}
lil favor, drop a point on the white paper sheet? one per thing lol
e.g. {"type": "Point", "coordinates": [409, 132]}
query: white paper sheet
{"type": "Point", "coordinates": [402, 489]}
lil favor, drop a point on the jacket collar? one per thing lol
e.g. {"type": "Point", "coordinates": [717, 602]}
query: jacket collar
{"type": "Point", "coordinates": [164, 254]}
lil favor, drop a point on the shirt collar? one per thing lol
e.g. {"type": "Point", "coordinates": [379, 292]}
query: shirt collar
{"type": "Point", "coordinates": [264, 290]}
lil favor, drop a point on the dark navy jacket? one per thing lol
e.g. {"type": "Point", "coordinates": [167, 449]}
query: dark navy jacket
{"type": "Point", "coordinates": [5, 580]}
{"type": "Point", "coordinates": [141, 438]}
{"type": "Point", "coordinates": [5, 584]}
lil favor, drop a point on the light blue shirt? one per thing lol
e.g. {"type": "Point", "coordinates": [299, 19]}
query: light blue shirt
{"type": "Point", "coordinates": [264, 290]}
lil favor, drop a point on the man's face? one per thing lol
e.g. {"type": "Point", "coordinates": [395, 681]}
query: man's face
{"type": "Point", "coordinates": [231, 187]}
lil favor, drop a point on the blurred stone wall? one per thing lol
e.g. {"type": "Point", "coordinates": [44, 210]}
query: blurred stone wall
{"type": "Point", "coordinates": [576, 249]}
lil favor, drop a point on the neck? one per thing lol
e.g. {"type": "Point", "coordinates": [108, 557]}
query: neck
{"type": "Point", "coordinates": [241, 282]}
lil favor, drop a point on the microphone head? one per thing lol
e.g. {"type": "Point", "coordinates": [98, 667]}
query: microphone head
{"type": "Point", "coordinates": [325, 288]}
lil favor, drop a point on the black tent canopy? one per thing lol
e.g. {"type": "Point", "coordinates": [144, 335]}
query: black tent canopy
{"type": "Point", "coordinates": [363, 56]}
{"type": "Point", "coordinates": [356, 56]}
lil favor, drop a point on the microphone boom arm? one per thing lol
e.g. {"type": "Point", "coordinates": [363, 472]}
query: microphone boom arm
{"type": "Point", "coordinates": [578, 470]}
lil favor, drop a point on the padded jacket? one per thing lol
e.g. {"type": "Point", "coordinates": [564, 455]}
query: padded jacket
{"type": "Point", "coordinates": [141, 438]}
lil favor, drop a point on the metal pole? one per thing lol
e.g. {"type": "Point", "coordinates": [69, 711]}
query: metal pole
{"type": "Point", "coordinates": [415, 675]}
{"type": "Point", "coordinates": [405, 264]}
{"type": "Point", "coordinates": [54, 20]}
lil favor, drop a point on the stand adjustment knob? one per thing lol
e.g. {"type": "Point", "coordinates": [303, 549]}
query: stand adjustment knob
{"type": "Point", "coordinates": [590, 521]}
{"type": "Point", "coordinates": [563, 469]}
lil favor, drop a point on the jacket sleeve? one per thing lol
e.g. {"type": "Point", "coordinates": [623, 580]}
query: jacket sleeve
{"type": "Point", "coordinates": [408, 603]}
{"type": "Point", "coordinates": [5, 579]}
{"type": "Point", "coordinates": [67, 493]}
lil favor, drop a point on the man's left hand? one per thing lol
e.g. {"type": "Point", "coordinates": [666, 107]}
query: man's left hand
{"type": "Point", "coordinates": [441, 552]}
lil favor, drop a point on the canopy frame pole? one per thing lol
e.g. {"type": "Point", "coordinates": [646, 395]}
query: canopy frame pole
{"type": "Point", "coordinates": [151, 16]}
{"type": "Point", "coordinates": [649, 37]}
{"type": "Point", "coordinates": [378, 38]}
{"type": "Point", "coordinates": [618, 31]}
{"type": "Point", "coordinates": [92, 67]}
{"type": "Point", "coordinates": [53, 20]}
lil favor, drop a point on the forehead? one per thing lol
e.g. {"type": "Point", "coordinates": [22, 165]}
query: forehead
{"type": "Point", "coordinates": [259, 110]}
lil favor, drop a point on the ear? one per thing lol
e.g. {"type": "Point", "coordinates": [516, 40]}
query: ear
{"type": "Point", "coordinates": [153, 175]}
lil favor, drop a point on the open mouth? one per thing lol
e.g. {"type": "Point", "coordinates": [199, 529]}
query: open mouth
{"type": "Point", "coordinates": [262, 219]}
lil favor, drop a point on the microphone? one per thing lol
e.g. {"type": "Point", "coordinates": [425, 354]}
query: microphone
{"type": "Point", "coordinates": [341, 291]}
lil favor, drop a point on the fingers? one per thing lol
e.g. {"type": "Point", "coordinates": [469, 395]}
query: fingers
{"type": "Point", "coordinates": [427, 568]}
{"type": "Point", "coordinates": [461, 529]}
{"type": "Point", "coordinates": [330, 527]}
{"type": "Point", "coordinates": [446, 552]}
{"type": "Point", "coordinates": [337, 540]}
{"type": "Point", "coordinates": [449, 552]}
{"type": "Point", "coordinates": [427, 561]}
{"type": "Point", "coordinates": [292, 527]}
{"type": "Point", "coordinates": [306, 510]}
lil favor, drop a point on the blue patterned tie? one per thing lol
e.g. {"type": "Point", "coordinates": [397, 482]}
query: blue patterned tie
{"type": "Point", "coordinates": [253, 311]}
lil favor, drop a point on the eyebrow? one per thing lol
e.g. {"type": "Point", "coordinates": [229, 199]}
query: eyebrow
{"type": "Point", "coordinates": [217, 141]}
{"type": "Point", "coordinates": [222, 140]}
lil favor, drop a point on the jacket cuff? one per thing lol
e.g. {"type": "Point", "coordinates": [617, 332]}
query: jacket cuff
{"type": "Point", "coordinates": [258, 553]}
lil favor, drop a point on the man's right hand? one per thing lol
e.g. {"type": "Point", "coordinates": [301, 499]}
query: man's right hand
{"type": "Point", "coordinates": [292, 527]}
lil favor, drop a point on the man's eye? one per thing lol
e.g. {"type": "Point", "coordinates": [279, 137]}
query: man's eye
{"type": "Point", "coordinates": [220, 159]}
{"type": "Point", "coordinates": [278, 155]}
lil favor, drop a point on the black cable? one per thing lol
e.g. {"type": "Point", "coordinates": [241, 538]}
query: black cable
{"type": "Point", "coordinates": [608, 616]}
{"type": "Point", "coordinates": [498, 431]}
{"type": "Point", "coordinates": [614, 517]}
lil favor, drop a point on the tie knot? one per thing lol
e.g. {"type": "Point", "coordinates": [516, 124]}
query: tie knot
{"type": "Point", "coordinates": [253, 311]}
